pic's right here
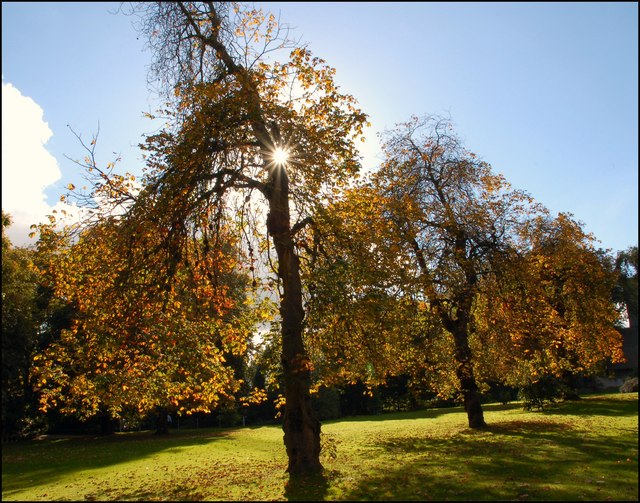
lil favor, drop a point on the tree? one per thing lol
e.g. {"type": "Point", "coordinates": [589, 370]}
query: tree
{"type": "Point", "coordinates": [549, 315]}
{"type": "Point", "coordinates": [134, 347]}
{"type": "Point", "coordinates": [437, 268]}
{"type": "Point", "coordinates": [627, 288]}
{"type": "Point", "coordinates": [234, 115]}
{"type": "Point", "coordinates": [455, 219]}
{"type": "Point", "coordinates": [21, 317]}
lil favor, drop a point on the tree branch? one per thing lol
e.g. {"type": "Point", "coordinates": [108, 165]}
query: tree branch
{"type": "Point", "coordinates": [300, 225]}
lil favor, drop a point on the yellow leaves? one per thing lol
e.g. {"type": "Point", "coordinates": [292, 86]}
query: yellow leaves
{"type": "Point", "coordinates": [256, 396]}
{"type": "Point", "coordinates": [71, 186]}
{"type": "Point", "coordinates": [279, 403]}
{"type": "Point", "coordinates": [124, 344]}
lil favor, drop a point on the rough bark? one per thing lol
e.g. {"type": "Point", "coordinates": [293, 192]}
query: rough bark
{"type": "Point", "coordinates": [459, 328]}
{"type": "Point", "coordinates": [468, 385]}
{"type": "Point", "coordinates": [301, 427]}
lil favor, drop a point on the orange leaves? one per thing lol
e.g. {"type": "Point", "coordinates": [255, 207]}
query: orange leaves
{"type": "Point", "coordinates": [301, 364]}
{"type": "Point", "coordinates": [557, 315]}
{"type": "Point", "coordinates": [129, 338]}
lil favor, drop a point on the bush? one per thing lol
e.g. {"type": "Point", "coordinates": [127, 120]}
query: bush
{"type": "Point", "coordinates": [500, 393]}
{"type": "Point", "coordinates": [228, 419]}
{"type": "Point", "coordinates": [630, 385]}
{"type": "Point", "coordinates": [326, 403]}
{"type": "Point", "coordinates": [30, 426]}
{"type": "Point", "coordinates": [544, 391]}
{"type": "Point", "coordinates": [439, 403]}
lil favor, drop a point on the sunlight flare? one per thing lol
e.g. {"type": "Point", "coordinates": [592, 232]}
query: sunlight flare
{"type": "Point", "coordinates": [280, 156]}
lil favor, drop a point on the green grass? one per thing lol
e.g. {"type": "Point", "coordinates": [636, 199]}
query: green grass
{"type": "Point", "coordinates": [585, 450]}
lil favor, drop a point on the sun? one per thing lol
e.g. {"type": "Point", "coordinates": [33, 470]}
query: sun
{"type": "Point", "coordinates": [280, 156]}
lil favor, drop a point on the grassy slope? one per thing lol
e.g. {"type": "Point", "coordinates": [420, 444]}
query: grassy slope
{"type": "Point", "coordinates": [586, 450]}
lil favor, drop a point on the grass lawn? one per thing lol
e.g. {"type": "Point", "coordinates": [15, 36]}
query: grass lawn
{"type": "Point", "coordinates": [584, 450]}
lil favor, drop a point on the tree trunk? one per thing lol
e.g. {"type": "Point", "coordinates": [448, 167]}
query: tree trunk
{"type": "Point", "coordinates": [301, 427]}
{"type": "Point", "coordinates": [162, 423]}
{"type": "Point", "coordinates": [107, 426]}
{"type": "Point", "coordinates": [464, 372]}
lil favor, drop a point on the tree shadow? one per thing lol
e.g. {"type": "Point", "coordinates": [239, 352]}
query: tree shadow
{"type": "Point", "coordinates": [596, 406]}
{"type": "Point", "coordinates": [589, 405]}
{"type": "Point", "coordinates": [431, 413]}
{"type": "Point", "coordinates": [532, 460]}
{"type": "Point", "coordinates": [50, 459]}
{"type": "Point", "coordinates": [307, 487]}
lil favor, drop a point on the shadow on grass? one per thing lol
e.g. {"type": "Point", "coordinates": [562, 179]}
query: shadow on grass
{"type": "Point", "coordinates": [422, 414]}
{"type": "Point", "coordinates": [45, 461]}
{"type": "Point", "coordinates": [596, 406]}
{"type": "Point", "coordinates": [514, 460]}
{"type": "Point", "coordinates": [307, 487]}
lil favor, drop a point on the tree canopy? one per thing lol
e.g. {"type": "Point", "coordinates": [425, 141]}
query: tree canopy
{"type": "Point", "coordinates": [132, 346]}
{"type": "Point", "coordinates": [425, 266]}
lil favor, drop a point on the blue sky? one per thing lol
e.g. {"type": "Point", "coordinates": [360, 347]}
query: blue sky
{"type": "Point", "coordinates": [547, 93]}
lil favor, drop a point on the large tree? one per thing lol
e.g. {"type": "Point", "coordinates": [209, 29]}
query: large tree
{"type": "Point", "coordinates": [134, 346]}
{"type": "Point", "coordinates": [549, 312]}
{"type": "Point", "coordinates": [437, 268]}
{"type": "Point", "coordinates": [456, 219]}
{"type": "Point", "coordinates": [243, 124]}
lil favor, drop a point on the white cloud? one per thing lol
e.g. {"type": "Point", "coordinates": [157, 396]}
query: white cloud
{"type": "Point", "coordinates": [27, 167]}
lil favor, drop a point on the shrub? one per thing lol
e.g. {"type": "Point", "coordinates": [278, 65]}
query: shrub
{"type": "Point", "coordinates": [544, 391]}
{"type": "Point", "coordinates": [30, 426]}
{"type": "Point", "coordinates": [228, 419]}
{"type": "Point", "coordinates": [326, 403]}
{"type": "Point", "coordinates": [500, 393]}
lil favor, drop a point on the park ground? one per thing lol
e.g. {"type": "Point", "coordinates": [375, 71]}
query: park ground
{"type": "Point", "coordinates": [585, 450]}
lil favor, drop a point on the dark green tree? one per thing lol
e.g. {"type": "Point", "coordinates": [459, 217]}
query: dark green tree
{"type": "Point", "coordinates": [21, 318]}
